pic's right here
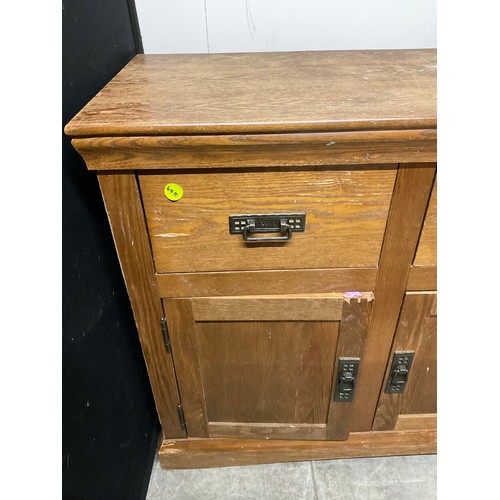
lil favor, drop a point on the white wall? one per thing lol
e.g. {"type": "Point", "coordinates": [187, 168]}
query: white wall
{"type": "Point", "coordinates": [183, 26]}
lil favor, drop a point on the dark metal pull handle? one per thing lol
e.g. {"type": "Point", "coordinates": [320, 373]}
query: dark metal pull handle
{"type": "Point", "coordinates": [251, 229]}
{"type": "Point", "coordinates": [285, 224]}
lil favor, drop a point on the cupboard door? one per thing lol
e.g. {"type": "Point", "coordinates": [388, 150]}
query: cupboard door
{"type": "Point", "coordinates": [416, 406]}
{"type": "Point", "coordinates": [266, 366]}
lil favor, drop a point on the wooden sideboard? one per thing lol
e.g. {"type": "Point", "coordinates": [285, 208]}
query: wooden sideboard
{"type": "Point", "coordinates": [275, 219]}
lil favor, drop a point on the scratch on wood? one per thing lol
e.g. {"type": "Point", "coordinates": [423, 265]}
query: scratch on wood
{"type": "Point", "coordinates": [172, 235]}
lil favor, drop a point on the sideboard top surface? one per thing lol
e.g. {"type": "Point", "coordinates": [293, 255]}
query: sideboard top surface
{"type": "Point", "coordinates": [271, 92]}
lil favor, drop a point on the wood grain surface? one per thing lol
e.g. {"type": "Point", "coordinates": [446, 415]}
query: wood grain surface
{"type": "Point", "coordinates": [265, 92]}
{"type": "Point", "coordinates": [346, 212]}
{"type": "Point", "coordinates": [420, 395]}
{"type": "Point", "coordinates": [416, 422]}
{"type": "Point", "coordinates": [120, 190]}
{"type": "Point", "coordinates": [266, 282]}
{"type": "Point", "coordinates": [314, 307]}
{"type": "Point", "coordinates": [422, 278]}
{"type": "Point", "coordinates": [409, 202]}
{"type": "Point", "coordinates": [205, 453]}
{"type": "Point", "coordinates": [265, 150]}
{"type": "Point", "coordinates": [416, 331]}
{"type": "Point", "coordinates": [427, 245]}
{"type": "Point", "coordinates": [266, 431]}
{"type": "Point", "coordinates": [267, 372]}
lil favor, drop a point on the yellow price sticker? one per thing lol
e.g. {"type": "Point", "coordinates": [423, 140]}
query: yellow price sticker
{"type": "Point", "coordinates": [173, 191]}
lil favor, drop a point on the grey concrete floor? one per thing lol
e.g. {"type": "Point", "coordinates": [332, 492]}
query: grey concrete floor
{"type": "Point", "coordinates": [408, 478]}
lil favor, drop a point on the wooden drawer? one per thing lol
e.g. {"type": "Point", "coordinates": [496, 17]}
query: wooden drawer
{"type": "Point", "coordinates": [346, 212]}
{"type": "Point", "coordinates": [427, 246]}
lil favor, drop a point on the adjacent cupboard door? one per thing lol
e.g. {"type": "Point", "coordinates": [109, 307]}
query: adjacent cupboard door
{"type": "Point", "coordinates": [412, 405]}
{"type": "Point", "coordinates": [268, 366]}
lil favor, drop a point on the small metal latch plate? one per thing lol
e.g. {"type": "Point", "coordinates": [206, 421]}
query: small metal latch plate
{"type": "Point", "coordinates": [398, 375]}
{"type": "Point", "coordinates": [346, 379]}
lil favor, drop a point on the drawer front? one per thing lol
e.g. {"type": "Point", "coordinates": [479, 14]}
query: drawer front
{"type": "Point", "coordinates": [346, 212]}
{"type": "Point", "coordinates": [427, 246]}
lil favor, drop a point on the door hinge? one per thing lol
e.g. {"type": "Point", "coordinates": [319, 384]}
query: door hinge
{"type": "Point", "coordinates": [164, 330]}
{"type": "Point", "coordinates": [182, 420]}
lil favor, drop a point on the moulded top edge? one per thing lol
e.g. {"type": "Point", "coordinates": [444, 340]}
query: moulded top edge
{"type": "Point", "coordinates": [276, 92]}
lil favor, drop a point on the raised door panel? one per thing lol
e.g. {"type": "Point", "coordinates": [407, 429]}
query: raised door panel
{"type": "Point", "coordinates": [416, 406]}
{"type": "Point", "coordinates": [273, 371]}
{"type": "Point", "coordinates": [265, 367]}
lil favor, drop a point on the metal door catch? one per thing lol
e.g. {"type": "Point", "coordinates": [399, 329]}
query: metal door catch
{"type": "Point", "coordinates": [346, 379]}
{"type": "Point", "coordinates": [398, 375]}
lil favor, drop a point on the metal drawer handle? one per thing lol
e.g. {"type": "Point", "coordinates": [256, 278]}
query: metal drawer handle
{"type": "Point", "coordinates": [251, 229]}
{"type": "Point", "coordinates": [286, 224]}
